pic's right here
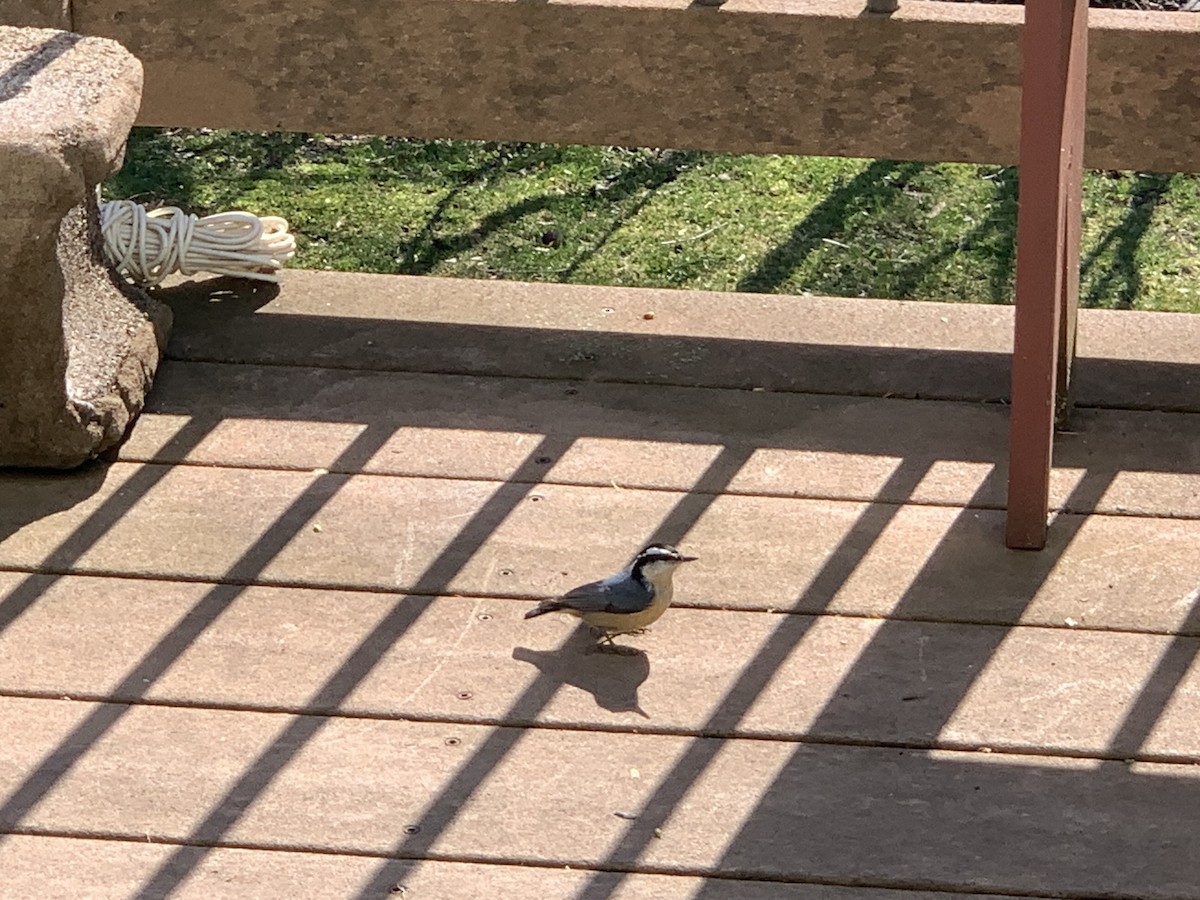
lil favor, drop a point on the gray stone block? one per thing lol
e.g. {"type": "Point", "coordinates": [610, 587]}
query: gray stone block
{"type": "Point", "coordinates": [78, 346]}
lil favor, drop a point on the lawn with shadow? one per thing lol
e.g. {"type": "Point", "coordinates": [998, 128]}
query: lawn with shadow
{"type": "Point", "coordinates": [669, 218]}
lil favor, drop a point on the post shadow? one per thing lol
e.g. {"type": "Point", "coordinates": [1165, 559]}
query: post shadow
{"type": "Point", "coordinates": [824, 220]}
{"type": "Point", "coordinates": [1014, 801]}
{"type": "Point", "coordinates": [526, 708]}
{"type": "Point", "coordinates": [20, 73]}
{"type": "Point", "coordinates": [302, 728]}
{"type": "Point", "coordinates": [1001, 229]}
{"type": "Point", "coordinates": [967, 824]}
{"type": "Point", "coordinates": [662, 172]}
{"type": "Point", "coordinates": [67, 491]}
{"type": "Point", "coordinates": [862, 695]}
{"type": "Point", "coordinates": [71, 749]}
{"type": "Point", "coordinates": [997, 232]}
{"type": "Point", "coordinates": [864, 698]}
{"type": "Point", "coordinates": [1169, 672]}
{"type": "Point", "coordinates": [1121, 281]}
{"type": "Point", "coordinates": [614, 681]}
{"type": "Point", "coordinates": [703, 749]}
{"type": "Point", "coordinates": [423, 252]}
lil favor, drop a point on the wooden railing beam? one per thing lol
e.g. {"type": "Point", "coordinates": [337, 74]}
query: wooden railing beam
{"type": "Point", "coordinates": [930, 82]}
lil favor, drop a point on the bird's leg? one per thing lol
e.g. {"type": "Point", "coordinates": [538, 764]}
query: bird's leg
{"type": "Point", "coordinates": [606, 644]}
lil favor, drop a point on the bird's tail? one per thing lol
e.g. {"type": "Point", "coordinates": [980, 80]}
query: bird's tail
{"type": "Point", "coordinates": [546, 606]}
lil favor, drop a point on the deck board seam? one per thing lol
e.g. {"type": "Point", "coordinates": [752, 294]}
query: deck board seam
{"type": "Point", "coordinates": [811, 498]}
{"type": "Point", "coordinates": [427, 476]}
{"type": "Point", "coordinates": [391, 591]}
{"type": "Point", "coordinates": [836, 741]}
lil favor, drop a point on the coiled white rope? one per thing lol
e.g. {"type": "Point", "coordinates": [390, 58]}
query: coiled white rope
{"type": "Point", "coordinates": [147, 246]}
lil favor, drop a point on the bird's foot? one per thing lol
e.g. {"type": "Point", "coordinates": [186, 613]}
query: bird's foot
{"type": "Point", "coordinates": [606, 644]}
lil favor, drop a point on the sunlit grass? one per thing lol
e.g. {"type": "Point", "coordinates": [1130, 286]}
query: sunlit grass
{"type": "Point", "coordinates": [666, 218]}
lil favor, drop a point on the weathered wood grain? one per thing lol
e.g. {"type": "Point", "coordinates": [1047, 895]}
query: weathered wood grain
{"type": "Point", "coordinates": [932, 81]}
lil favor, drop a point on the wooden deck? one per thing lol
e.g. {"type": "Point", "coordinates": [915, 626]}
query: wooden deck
{"type": "Point", "coordinates": [276, 649]}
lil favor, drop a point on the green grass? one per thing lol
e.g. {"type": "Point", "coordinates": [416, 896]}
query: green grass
{"type": "Point", "coordinates": [669, 218]}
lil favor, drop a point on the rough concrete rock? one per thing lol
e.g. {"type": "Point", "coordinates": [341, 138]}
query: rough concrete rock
{"type": "Point", "coordinates": [78, 346]}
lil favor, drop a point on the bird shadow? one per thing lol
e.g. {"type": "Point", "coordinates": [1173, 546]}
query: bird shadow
{"type": "Point", "coordinates": [612, 678]}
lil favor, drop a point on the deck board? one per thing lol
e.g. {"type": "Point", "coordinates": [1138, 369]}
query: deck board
{"type": "Point", "coordinates": [287, 621]}
{"type": "Point", "coordinates": [887, 818]}
{"type": "Point", "coordinates": [435, 536]}
{"type": "Point", "coordinates": [787, 677]}
{"type": "Point", "coordinates": [47, 867]}
{"type": "Point", "coordinates": [656, 437]}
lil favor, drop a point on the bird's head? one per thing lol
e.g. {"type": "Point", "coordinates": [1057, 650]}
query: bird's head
{"type": "Point", "coordinates": [658, 561]}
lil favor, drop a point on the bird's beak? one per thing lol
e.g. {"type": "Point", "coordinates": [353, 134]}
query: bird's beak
{"type": "Point", "coordinates": [688, 558]}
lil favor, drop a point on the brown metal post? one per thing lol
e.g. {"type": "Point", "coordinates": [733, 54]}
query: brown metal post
{"type": "Point", "coordinates": [1053, 85]}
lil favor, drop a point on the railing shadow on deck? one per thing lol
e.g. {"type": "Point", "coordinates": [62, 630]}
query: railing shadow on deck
{"type": "Point", "coordinates": [951, 563]}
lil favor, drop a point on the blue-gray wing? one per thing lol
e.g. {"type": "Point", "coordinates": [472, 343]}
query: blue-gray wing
{"type": "Point", "coordinates": [615, 595]}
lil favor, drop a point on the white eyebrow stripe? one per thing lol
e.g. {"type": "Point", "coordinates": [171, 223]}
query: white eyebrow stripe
{"type": "Point", "coordinates": [659, 555]}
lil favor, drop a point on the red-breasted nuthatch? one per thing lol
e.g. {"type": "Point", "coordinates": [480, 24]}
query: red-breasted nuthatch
{"type": "Point", "coordinates": [627, 601]}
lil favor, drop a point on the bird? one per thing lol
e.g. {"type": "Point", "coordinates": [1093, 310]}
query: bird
{"type": "Point", "coordinates": [625, 602]}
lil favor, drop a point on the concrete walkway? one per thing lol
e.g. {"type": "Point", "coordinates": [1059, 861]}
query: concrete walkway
{"type": "Point", "coordinates": [275, 650]}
